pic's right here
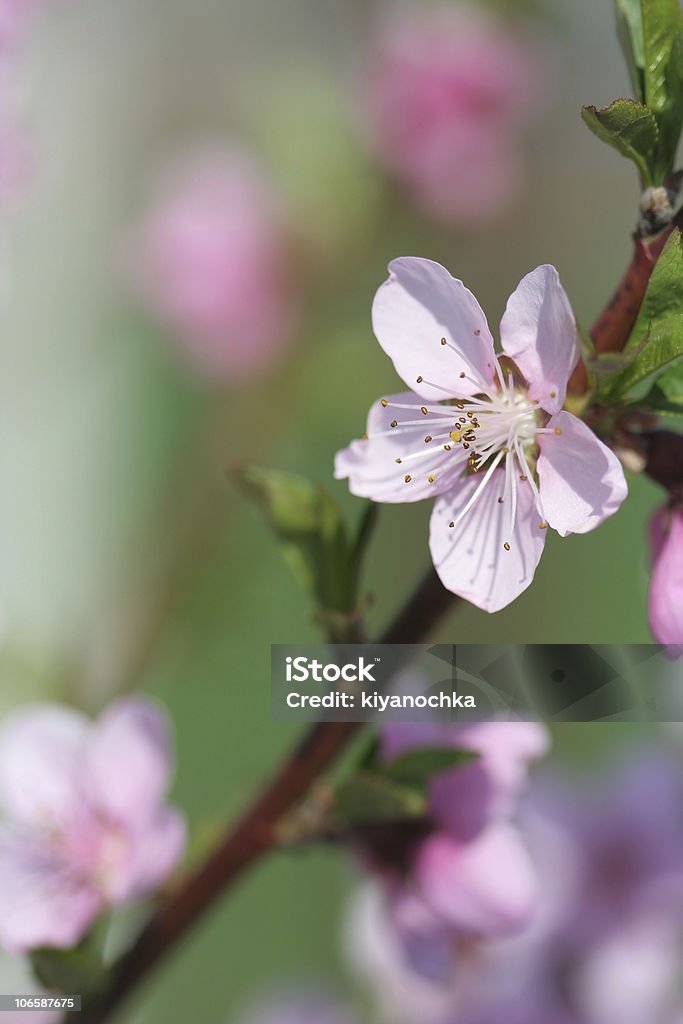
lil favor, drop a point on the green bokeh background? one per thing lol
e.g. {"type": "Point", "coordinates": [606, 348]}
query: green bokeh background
{"type": "Point", "coordinates": [127, 560]}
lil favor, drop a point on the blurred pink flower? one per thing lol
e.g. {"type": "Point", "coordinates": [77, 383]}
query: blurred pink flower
{"type": "Point", "coordinates": [498, 452]}
{"type": "Point", "coordinates": [606, 941]}
{"type": "Point", "coordinates": [666, 584]}
{"type": "Point", "coordinates": [86, 824]}
{"type": "Point", "coordinates": [464, 878]}
{"type": "Point", "coordinates": [450, 92]}
{"type": "Point", "coordinates": [210, 260]}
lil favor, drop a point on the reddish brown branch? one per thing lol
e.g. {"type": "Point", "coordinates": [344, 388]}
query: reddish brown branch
{"type": "Point", "coordinates": [612, 329]}
{"type": "Point", "coordinates": [256, 832]}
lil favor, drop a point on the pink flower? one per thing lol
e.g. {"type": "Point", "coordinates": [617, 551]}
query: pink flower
{"type": "Point", "coordinates": [606, 940]}
{"type": "Point", "coordinates": [466, 877]}
{"type": "Point", "coordinates": [86, 825]}
{"type": "Point", "coordinates": [211, 264]}
{"type": "Point", "coordinates": [449, 94]}
{"type": "Point", "coordinates": [470, 797]}
{"type": "Point", "coordinates": [666, 585]}
{"type": "Point", "coordinates": [488, 438]}
{"type": "Point", "coordinates": [451, 869]}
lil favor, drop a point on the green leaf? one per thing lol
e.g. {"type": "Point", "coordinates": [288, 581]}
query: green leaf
{"type": "Point", "coordinates": [631, 129]}
{"type": "Point", "coordinates": [418, 767]}
{"type": "Point", "coordinates": [368, 798]}
{"type": "Point", "coordinates": [666, 397]}
{"type": "Point", "coordinates": [662, 22]}
{"type": "Point", "coordinates": [664, 296]}
{"type": "Point", "coordinates": [658, 401]}
{"type": "Point", "coordinates": [630, 32]}
{"type": "Point", "coordinates": [311, 532]}
{"type": "Point", "coordinates": [663, 347]}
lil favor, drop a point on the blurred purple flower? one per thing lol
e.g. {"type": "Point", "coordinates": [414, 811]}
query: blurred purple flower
{"type": "Point", "coordinates": [610, 861]}
{"type": "Point", "coordinates": [666, 585]}
{"type": "Point", "coordinates": [496, 449]}
{"type": "Point", "coordinates": [449, 93]}
{"type": "Point", "coordinates": [606, 942]}
{"type": "Point", "coordinates": [467, 877]}
{"type": "Point", "coordinates": [210, 261]}
{"type": "Point", "coordinates": [86, 824]}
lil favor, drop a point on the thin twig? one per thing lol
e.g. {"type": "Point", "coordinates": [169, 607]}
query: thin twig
{"type": "Point", "coordinates": [256, 832]}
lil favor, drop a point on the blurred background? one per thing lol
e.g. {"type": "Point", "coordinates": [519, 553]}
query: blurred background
{"type": "Point", "coordinates": [127, 560]}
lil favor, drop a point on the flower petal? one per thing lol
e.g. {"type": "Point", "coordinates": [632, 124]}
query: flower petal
{"type": "Point", "coordinates": [485, 888]}
{"type": "Point", "coordinates": [665, 605]}
{"type": "Point", "coordinates": [129, 760]}
{"type": "Point", "coordinates": [538, 331]}
{"type": "Point", "coordinates": [466, 800]}
{"type": "Point", "coordinates": [470, 558]}
{"type": "Point", "coordinates": [417, 307]}
{"type": "Point", "coordinates": [43, 903]}
{"type": "Point", "coordinates": [371, 464]}
{"type": "Point", "coordinates": [581, 480]}
{"type": "Point", "coordinates": [41, 767]}
{"type": "Point", "coordinates": [151, 855]}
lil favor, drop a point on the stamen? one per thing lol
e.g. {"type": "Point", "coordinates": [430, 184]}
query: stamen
{"type": "Point", "coordinates": [479, 491]}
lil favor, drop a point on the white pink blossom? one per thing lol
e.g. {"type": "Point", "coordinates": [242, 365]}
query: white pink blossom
{"type": "Point", "coordinates": [86, 825]}
{"type": "Point", "coordinates": [486, 435]}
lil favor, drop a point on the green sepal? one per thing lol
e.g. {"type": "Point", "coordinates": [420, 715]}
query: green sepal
{"type": "Point", "coordinates": [78, 971]}
{"type": "Point", "coordinates": [372, 798]}
{"type": "Point", "coordinates": [418, 767]}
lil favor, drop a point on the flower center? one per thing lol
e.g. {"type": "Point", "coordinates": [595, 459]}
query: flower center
{"type": "Point", "coordinates": [498, 428]}
{"type": "Point", "coordinates": [498, 423]}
